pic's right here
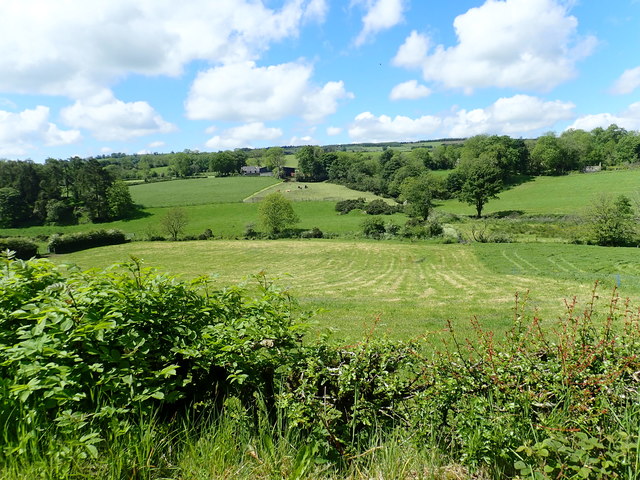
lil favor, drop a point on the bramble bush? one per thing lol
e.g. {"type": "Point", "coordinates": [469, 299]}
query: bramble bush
{"type": "Point", "coordinates": [82, 352]}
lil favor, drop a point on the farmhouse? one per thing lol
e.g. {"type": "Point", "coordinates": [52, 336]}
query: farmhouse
{"type": "Point", "coordinates": [252, 170]}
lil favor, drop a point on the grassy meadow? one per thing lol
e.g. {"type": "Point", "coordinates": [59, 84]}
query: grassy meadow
{"type": "Point", "coordinates": [408, 289]}
{"type": "Point", "coordinates": [313, 192]}
{"type": "Point", "coordinates": [198, 191]}
{"type": "Point", "coordinates": [569, 194]}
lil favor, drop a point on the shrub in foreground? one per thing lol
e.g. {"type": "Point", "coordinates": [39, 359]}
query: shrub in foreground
{"type": "Point", "coordinates": [80, 352]}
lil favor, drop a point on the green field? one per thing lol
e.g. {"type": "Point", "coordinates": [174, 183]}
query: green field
{"type": "Point", "coordinates": [318, 192]}
{"type": "Point", "coordinates": [569, 194]}
{"type": "Point", "coordinates": [412, 289]}
{"type": "Point", "coordinates": [198, 191]}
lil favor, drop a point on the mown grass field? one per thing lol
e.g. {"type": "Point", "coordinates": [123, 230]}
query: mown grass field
{"type": "Point", "coordinates": [569, 194]}
{"type": "Point", "coordinates": [313, 192]}
{"type": "Point", "coordinates": [407, 289]}
{"type": "Point", "coordinates": [198, 191]}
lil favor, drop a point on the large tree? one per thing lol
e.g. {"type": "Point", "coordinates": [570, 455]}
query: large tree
{"type": "Point", "coordinates": [481, 180]}
{"type": "Point", "coordinates": [311, 164]}
{"type": "Point", "coordinates": [276, 213]}
{"type": "Point", "coordinates": [417, 192]}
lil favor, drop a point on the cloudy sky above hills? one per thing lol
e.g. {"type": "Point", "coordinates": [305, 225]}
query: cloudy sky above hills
{"type": "Point", "coordinates": [94, 77]}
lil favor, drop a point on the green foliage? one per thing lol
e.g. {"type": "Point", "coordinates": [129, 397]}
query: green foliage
{"type": "Point", "coordinates": [73, 242]}
{"type": "Point", "coordinates": [341, 396]}
{"type": "Point", "coordinates": [481, 181]}
{"type": "Point", "coordinates": [345, 206]}
{"type": "Point", "coordinates": [119, 200]}
{"type": "Point", "coordinates": [373, 227]}
{"type": "Point", "coordinates": [612, 221]}
{"type": "Point", "coordinates": [379, 207]}
{"type": "Point", "coordinates": [83, 353]}
{"type": "Point", "coordinates": [13, 208]}
{"type": "Point", "coordinates": [315, 232]}
{"type": "Point", "coordinates": [312, 164]}
{"type": "Point", "coordinates": [276, 213]}
{"type": "Point", "coordinates": [174, 222]}
{"type": "Point", "coordinates": [417, 192]}
{"type": "Point", "coordinates": [23, 248]}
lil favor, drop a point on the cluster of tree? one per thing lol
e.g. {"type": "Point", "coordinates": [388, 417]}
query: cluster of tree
{"type": "Point", "coordinates": [60, 192]}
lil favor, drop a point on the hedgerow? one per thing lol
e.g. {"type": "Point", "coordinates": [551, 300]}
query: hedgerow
{"type": "Point", "coordinates": [73, 242]}
{"type": "Point", "coordinates": [22, 247]}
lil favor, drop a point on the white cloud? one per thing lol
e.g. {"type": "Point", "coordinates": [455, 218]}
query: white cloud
{"type": "Point", "coordinates": [21, 132]}
{"type": "Point", "coordinates": [243, 136]}
{"type": "Point", "coordinates": [628, 119]}
{"type": "Point", "coordinates": [381, 15]}
{"type": "Point", "coordinates": [410, 90]}
{"type": "Point", "coordinates": [316, 11]}
{"type": "Point", "coordinates": [306, 140]}
{"type": "Point", "coordinates": [412, 52]}
{"type": "Point", "coordinates": [75, 48]}
{"type": "Point", "coordinates": [157, 144]}
{"type": "Point", "coordinates": [515, 116]}
{"type": "Point", "coordinates": [628, 82]}
{"type": "Point", "coordinates": [111, 119]}
{"type": "Point", "coordinates": [332, 131]}
{"type": "Point", "coordinates": [529, 44]}
{"type": "Point", "coordinates": [245, 92]}
{"type": "Point", "coordinates": [369, 128]}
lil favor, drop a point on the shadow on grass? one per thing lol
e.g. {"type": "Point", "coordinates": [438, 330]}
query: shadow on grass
{"type": "Point", "coordinates": [136, 214]}
{"type": "Point", "coordinates": [516, 180]}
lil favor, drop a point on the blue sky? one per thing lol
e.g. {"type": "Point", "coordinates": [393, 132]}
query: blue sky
{"type": "Point", "coordinates": [95, 77]}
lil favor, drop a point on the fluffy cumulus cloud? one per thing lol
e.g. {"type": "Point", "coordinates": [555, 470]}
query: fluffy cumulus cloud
{"type": "Point", "coordinates": [515, 116]}
{"type": "Point", "coordinates": [410, 90]}
{"type": "Point", "coordinates": [628, 119]}
{"type": "Point", "coordinates": [528, 44]}
{"type": "Point", "coordinates": [111, 119]}
{"type": "Point", "coordinates": [333, 131]}
{"type": "Point", "coordinates": [75, 48]}
{"type": "Point", "coordinates": [370, 128]}
{"type": "Point", "coordinates": [23, 131]}
{"type": "Point", "coordinates": [248, 93]}
{"type": "Point", "coordinates": [243, 136]}
{"type": "Point", "coordinates": [381, 15]}
{"type": "Point", "coordinates": [628, 82]}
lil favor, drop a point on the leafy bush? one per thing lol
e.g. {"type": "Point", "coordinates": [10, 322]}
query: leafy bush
{"type": "Point", "coordinates": [73, 242]}
{"type": "Point", "coordinates": [345, 206]}
{"type": "Point", "coordinates": [373, 227]}
{"type": "Point", "coordinates": [22, 247]}
{"type": "Point", "coordinates": [80, 352]}
{"type": "Point", "coordinates": [338, 394]}
{"type": "Point", "coordinates": [378, 207]}
{"type": "Point", "coordinates": [315, 232]}
{"type": "Point", "coordinates": [206, 235]}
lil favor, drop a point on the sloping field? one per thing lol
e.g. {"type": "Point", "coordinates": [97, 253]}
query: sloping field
{"type": "Point", "coordinates": [313, 192]}
{"type": "Point", "coordinates": [568, 194]}
{"type": "Point", "coordinates": [411, 289]}
{"type": "Point", "coordinates": [198, 191]}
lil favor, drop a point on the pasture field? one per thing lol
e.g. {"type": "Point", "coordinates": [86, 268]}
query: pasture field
{"type": "Point", "coordinates": [407, 289]}
{"type": "Point", "coordinates": [322, 192]}
{"type": "Point", "coordinates": [198, 191]}
{"type": "Point", "coordinates": [226, 220]}
{"type": "Point", "coordinates": [569, 194]}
